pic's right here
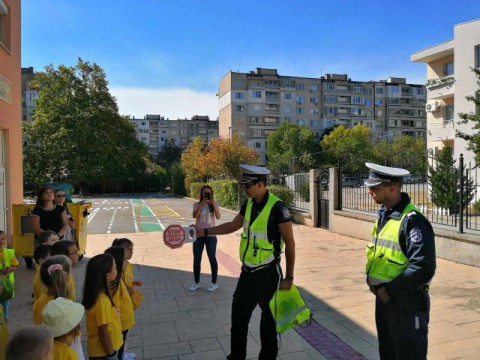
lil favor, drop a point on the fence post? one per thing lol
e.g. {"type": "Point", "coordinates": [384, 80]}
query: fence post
{"type": "Point", "coordinates": [460, 227]}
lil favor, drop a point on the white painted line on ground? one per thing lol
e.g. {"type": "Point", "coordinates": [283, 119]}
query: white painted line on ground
{"type": "Point", "coordinates": [92, 214]}
{"type": "Point", "coordinates": [109, 229]}
{"type": "Point", "coordinates": [133, 213]}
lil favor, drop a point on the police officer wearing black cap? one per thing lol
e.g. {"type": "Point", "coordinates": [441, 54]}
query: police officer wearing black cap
{"type": "Point", "coordinates": [400, 265]}
{"type": "Point", "coordinates": [267, 228]}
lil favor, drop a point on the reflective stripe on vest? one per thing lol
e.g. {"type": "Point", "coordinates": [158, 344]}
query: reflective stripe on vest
{"type": "Point", "coordinates": [255, 249]}
{"type": "Point", "coordinates": [385, 258]}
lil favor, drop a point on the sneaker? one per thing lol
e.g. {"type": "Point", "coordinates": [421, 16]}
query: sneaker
{"type": "Point", "coordinates": [129, 356]}
{"type": "Point", "coordinates": [212, 287]}
{"type": "Point", "coordinates": [195, 287]}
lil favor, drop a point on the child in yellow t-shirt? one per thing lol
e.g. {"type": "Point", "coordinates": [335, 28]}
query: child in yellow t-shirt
{"type": "Point", "coordinates": [8, 264]}
{"type": "Point", "coordinates": [34, 342]}
{"type": "Point", "coordinates": [41, 253]}
{"type": "Point", "coordinates": [62, 316]}
{"type": "Point", "coordinates": [121, 297]}
{"type": "Point", "coordinates": [128, 275]}
{"type": "Point", "coordinates": [102, 318]}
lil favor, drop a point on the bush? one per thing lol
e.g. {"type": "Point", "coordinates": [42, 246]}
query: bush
{"type": "Point", "coordinates": [305, 191]}
{"type": "Point", "coordinates": [476, 206]}
{"type": "Point", "coordinates": [284, 193]}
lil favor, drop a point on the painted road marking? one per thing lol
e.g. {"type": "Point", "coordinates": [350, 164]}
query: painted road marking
{"type": "Point", "coordinates": [134, 217]}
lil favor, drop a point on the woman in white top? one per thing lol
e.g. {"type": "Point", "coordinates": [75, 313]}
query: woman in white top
{"type": "Point", "coordinates": [205, 211]}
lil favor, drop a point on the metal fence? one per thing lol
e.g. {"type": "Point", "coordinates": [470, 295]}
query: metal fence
{"type": "Point", "coordinates": [300, 185]}
{"type": "Point", "coordinates": [463, 214]}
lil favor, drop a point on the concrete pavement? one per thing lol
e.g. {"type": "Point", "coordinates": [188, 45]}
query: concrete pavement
{"type": "Point", "coordinates": [173, 323]}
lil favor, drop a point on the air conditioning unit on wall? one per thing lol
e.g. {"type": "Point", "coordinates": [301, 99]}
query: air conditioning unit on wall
{"type": "Point", "coordinates": [431, 106]}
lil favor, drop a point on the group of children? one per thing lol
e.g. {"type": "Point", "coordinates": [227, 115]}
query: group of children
{"type": "Point", "coordinates": [108, 302]}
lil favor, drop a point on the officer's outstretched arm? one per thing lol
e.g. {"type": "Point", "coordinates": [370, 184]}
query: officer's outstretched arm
{"type": "Point", "coordinates": [225, 228]}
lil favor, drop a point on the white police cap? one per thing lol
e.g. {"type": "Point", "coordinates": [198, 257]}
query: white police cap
{"type": "Point", "coordinates": [252, 173]}
{"type": "Point", "coordinates": [384, 174]}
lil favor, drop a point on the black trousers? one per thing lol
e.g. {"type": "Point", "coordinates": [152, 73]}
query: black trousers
{"type": "Point", "coordinates": [254, 288]}
{"type": "Point", "coordinates": [402, 333]}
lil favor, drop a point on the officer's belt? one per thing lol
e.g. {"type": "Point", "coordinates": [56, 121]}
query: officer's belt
{"type": "Point", "coordinates": [249, 269]}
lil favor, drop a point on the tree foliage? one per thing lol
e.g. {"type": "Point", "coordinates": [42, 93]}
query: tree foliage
{"type": "Point", "coordinates": [349, 148]}
{"type": "Point", "coordinates": [473, 138]}
{"type": "Point", "coordinates": [169, 154]}
{"type": "Point", "coordinates": [193, 161]}
{"type": "Point", "coordinates": [291, 148]}
{"type": "Point", "coordinates": [405, 152]}
{"type": "Point", "coordinates": [444, 182]}
{"type": "Point", "coordinates": [77, 133]}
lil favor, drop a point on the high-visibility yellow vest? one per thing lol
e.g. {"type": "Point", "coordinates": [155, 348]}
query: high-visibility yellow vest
{"type": "Point", "coordinates": [385, 258]}
{"type": "Point", "coordinates": [255, 249]}
{"type": "Point", "coordinates": [8, 255]}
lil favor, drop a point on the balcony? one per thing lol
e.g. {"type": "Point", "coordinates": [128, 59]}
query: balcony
{"type": "Point", "coordinates": [441, 88]}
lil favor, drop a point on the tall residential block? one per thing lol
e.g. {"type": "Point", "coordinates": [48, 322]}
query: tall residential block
{"type": "Point", "coordinates": [449, 81]}
{"type": "Point", "coordinates": [11, 174]}
{"type": "Point", "coordinates": [155, 130]}
{"type": "Point", "coordinates": [254, 104]}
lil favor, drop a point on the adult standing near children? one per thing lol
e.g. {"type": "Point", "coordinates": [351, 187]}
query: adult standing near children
{"type": "Point", "coordinates": [205, 211]}
{"type": "Point", "coordinates": [49, 216]}
{"type": "Point", "coordinates": [267, 226]}
{"type": "Point", "coordinates": [61, 199]}
{"type": "Point", "coordinates": [400, 265]}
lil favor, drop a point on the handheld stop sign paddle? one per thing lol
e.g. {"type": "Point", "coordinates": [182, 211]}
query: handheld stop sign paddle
{"type": "Point", "coordinates": [174, 236]}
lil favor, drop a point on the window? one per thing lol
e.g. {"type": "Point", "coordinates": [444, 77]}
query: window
{"type": "Point", "coordinates": [239, 107]}
{"type": "Point", "coordinates": [394, 101]}
{"type": "Point", "coordinates": [300, 99]}
{"type": "Point", "coordinates": [357, 111]}
{"type": "Point", "coordinates": [5, 26]}
{"type": "Point", "coordinates": [477, 56]}
{"type": "Point", "coordinates": [357, 99]}
{"type": "Point", "coordinates": [300, 111]}
{"type": "Point", "coordinates": [254, 120]}
{"type": "Point", "coordinates": [379, 112]}
{"type": "Point", "coordinates": [314, 87]}
{"type": "Point", "coordinates": [239, 95]}
{"type": "Point", "coordinates": [257, 94]}
{"type": "Point", "coordinates": [314, 111]}
{"type": "Point", "coordinates": [330, 98]}
{"type": "Point", "coordinates": [329, 110]}
{"type": "Point", "coordinates": [257, 132]}
{"type": "Point", "coordinates": [270, 120]}
{"type": "Point", "coordinates": [301, 122]}
{"type": "Point", "coordinates": [315, 123]}
{"type": "Point", "coordinates": [329, 87]}
{"type": "Point", "coordinates": [300, 86]}
{"type": "Point", "coordinates": [419, 91]}
{"type": "Point", "coordinates": [394, 90]}
{"type": "Point", "coordinates": [449, 113]}
{"type": "Point", "coordinates": [287, 96]}
{"type": "Point", "coordinates": [144, 123]}
{"type": "Point", "coordinates": [314, 100]}
{"type": "Point", "coordinates": [288, 84]}
{"type": "Point", "coordinates": [369, 91]}
{"type": "Point", "coordinates": [449, 69]}
{"type": "Point", "coordinates": [357, 89]}
{"type": "Point", "coordinates": [368, 102]}
{"type": "Point", "coordinates": [258, 145]}
{"type": "Point", "coordinates": [378, 101]}
{"type": "Point", "coordinates": [287, 109]}
{"type": "Point", "coordinates": [379, 91]}
{"type": "Point", "coordinates": [270, 83]}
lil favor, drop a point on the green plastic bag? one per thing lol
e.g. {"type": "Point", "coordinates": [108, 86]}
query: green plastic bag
{"type": "Point", "coordinates": [289, 309]}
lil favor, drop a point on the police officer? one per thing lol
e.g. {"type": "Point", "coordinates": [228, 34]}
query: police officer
{"type": "Point", "coordinates": [400, 265]}
{"type": "Point", "coordinates": [267, 227]}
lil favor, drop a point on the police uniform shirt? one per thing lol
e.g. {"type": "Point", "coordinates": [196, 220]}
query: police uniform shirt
{"type": "Point", "coordinates": [417, 241]}
{"type": "Point", "coordinates": [279, 215]}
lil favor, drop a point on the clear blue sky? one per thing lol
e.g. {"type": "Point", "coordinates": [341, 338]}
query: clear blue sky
{"type": "Point", "coordinates": [167, 56]}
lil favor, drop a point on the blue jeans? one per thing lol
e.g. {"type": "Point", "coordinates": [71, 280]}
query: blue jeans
{"type": "Point", "coordinates": [6, 305]}
{"type": "Point", "coordinates": [210, 242]}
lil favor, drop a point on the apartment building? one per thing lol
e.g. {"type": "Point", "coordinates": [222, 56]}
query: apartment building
{"type": "Point", "coordinates": [155, 130]}
{"type": "Point", "coordinates": [11, 174]}
{"type": "Point", "coordinates": [29, 95]}
{"type": "Point", "coordinates": [449, 81]}
{"type": "Point", "coordinates": [254, 104]}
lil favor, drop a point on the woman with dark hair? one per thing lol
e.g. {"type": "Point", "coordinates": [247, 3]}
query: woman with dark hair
{"type": "Point", "coordinates": [205, 211]}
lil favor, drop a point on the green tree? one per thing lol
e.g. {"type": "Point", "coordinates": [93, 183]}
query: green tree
{"type": "Point", "coordinates": [77, 134]}
{"type": "Point", "coordinates": [405, 152]}
{"type": "Point", "coordinates": [193, 161]}
{"type": "Point", "coordinates": [169, 153]}
{"type": "Point", "coordinates": [444, 182]}
{"type": "Point", "coordinates": [291, 148]}
{"type": "Point", "coordinates": [472, 138]}
{"type": "Point", "coordinates": [349, 148]}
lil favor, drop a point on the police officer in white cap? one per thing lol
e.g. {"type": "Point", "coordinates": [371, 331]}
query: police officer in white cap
{"type": "Point", "coordinates": [267, 228]}
{"type": "Point", "coordinates": [400, 265]}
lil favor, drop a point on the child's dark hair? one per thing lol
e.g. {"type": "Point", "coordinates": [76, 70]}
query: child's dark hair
{"type": "Point", "coordinates": [122, 242]}
{"type": "Point", "coordinates": [54, 273]}
{"type": "Point", "coordinates": [61, 247]}
{"type": "Point", "coordinates": [45, 235]}
{"type": "Point", "coordinates": [96, 279]}
{"type": "Point", "coordinates": [118, 254]}
{"type": "Point", "coordinates": [41, 252]}
{"type": "Point", "coordinates": [28, 343]}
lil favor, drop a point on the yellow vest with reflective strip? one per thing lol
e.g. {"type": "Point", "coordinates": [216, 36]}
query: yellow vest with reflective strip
{"type": "Point", "coordinates": [255, 249]}
{"type": "Point", "coordinates": [385, 258]}
{"type": "Point", "coordinates": [8, 255]}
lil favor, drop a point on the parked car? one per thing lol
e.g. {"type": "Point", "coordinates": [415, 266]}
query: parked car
{"type": "Point", "coordinates": [351, 181]}
{"type": "Point", "coordinates": [413, 179]}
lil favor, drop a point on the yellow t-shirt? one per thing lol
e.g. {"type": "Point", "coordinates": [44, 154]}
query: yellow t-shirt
{"type": "Point", "coordinates": [128, 275]}
{"type": "Point", "coordinates": [39, 287]}
{"type": "Point", "coordinates": [38, 308]}
{"type": "Point", "coordinates": [61, 351]}
{"type": "Point", "coordinates": [71, 282]}
{"type": "Point", "coordinates": [37, 267]}
{"type": "Point", "coordinates": [102, 313]}
{"type": "Point", "coordinates": [124, 302]}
